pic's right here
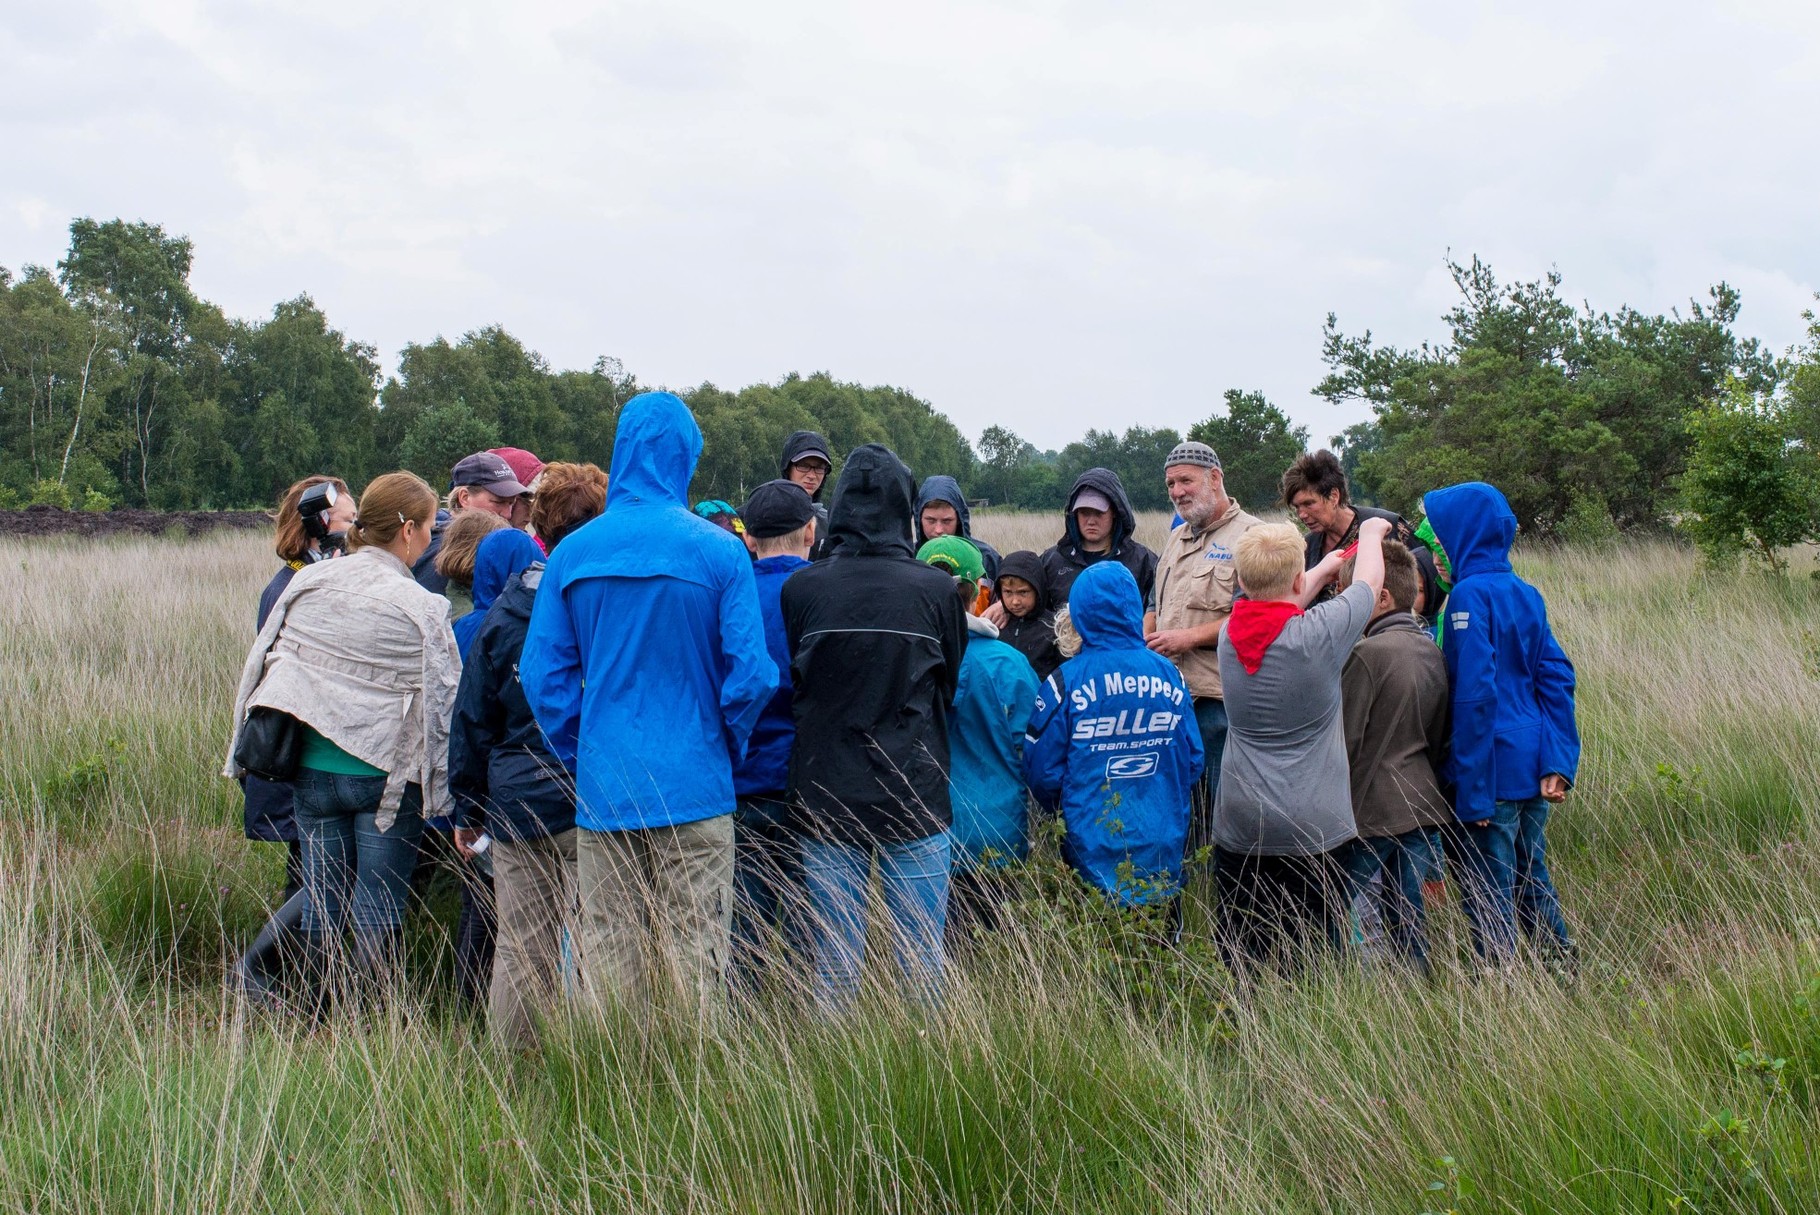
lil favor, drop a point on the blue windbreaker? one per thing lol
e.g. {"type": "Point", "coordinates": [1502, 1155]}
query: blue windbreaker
{"type": "Point", "coordinates": [645, 660]}
{"type": "Point", "coordinates": [501, 555]}
{"type": "Point", "coordinates": [766, 768]}
{"type": "Point", "coordinates": [986, 750]}
{"type": "Point", "coordinates": [1114, 743]}
{"type": "Point", "coordinates": [1513, 688]}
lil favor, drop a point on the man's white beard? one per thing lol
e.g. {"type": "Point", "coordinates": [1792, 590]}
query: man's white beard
{"type": "Point", "coordinates": [1198, 514]}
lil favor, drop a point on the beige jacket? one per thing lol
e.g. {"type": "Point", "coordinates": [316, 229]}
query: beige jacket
{"type": "Point", "coordinates": [363, 655]}
{"type": "Point", "coordinates": [1195, 581]}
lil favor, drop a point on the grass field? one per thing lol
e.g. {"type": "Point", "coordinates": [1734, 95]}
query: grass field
{"type": "Point", "coordinates": [1074, 1069]}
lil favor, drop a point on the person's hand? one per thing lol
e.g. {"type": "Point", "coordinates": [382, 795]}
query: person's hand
{"type": "Point", "coordinates": [465, 839]}
{"type": "Point", "coordinates": [1374, 529]}
{"type": "Point", "coordinates": [1554, 787]}
{"type": "Point", "coordinates": [1171, 643]}
{"type": "Point", "coordinates": [995, 615]}
{"type": "Point", "coordinates": [1325, 570]}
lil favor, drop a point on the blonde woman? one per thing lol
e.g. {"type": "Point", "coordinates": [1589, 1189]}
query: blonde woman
{"type": "Point", "coordinates": [363, 658]}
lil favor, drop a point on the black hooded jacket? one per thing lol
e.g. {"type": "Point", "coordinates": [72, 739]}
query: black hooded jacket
{"type": "Point", "coordinates": [876, 641]}
{"type": "Point", "coordinates": [799, 444]}
{"type": "Point", "coordinates": [947, 489]}
{"type": "Point", "coordinates": [1033, 636]}
{"type": "Point", "coordinates": [501, 773]}
{"type": "Point", "coordinates": [1067, 558]}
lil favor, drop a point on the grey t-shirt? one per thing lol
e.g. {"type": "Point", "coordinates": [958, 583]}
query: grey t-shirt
{"type": "Point", "coordinates": [1284, 782]}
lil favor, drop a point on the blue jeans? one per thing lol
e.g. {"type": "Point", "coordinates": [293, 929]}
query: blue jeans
{"type": "Point", "coordinates": [353, 873]}
{"type": "Point", "coordinates": [1210, 716]}
{"type": "Point", "coordinates": [1403, 860]}
{"type": "Point", "coordinates": [1507, 884]}
{"type": "Point", "coordinates": [915, 876]}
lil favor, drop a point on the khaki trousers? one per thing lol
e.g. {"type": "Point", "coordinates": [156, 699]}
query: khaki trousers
{"type": "Point", "coordinates": [657, 903]}
{"type": "Point", "coordinates": [534, 889]}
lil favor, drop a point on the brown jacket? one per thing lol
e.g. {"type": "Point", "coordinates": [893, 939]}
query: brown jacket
{"type": "Point", "coordinates": [1195, 581]}
{"type": "Point", "coordinates": [1394, 688]}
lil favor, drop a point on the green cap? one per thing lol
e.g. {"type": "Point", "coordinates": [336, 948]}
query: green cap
{"type": "Point", "coordinates": [955, 555]}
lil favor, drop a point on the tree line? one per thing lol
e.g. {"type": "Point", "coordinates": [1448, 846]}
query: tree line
{"type": "Point", "coordinates": [120, 386]}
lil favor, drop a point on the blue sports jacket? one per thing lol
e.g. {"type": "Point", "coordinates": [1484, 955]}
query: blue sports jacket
{"type": "Point", "coordinates": [986, 750]}
{"type": "Point", "coordinates": [645, 660]}
{"type": "Point", "coordinates": [766, 769]}
{"type": "Point", "coordinates": [1114, 744]}
{"type": "Point", "coordinates": [1512, 687]}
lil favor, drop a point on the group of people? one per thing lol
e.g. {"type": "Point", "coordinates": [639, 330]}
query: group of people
{"type": "Point", "coordinates": [667, 748]}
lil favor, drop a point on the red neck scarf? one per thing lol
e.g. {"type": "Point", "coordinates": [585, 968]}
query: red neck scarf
{"type": "Point", "coordinates": [1254, 625]}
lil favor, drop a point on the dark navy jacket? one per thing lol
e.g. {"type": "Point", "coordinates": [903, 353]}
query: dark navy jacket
{"type": "Point", "coordinates": [1512, 687]}
{"type": "Point", "coordinates": [766, 769]}
{"type": "Point", "coordinates": [1114, 745]}
{"type": "Point", "coordinates": [501, 773]}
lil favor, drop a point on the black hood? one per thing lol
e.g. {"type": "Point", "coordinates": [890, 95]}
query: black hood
{"type": "Point", "coordinates": [870, 514]}
{"type": "Point", "coordinates": [1106, 482]}
{"type": "Point", "coordinates": [799, 444]}
{"type": "Point", "coordinates": [1028, 566]}
{"type": "Point", "coordinates": [942, 489]}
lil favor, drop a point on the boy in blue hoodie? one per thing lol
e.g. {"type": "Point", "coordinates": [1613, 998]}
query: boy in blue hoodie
{"type": "Point", "coordinates": [768, 894]}
{"type": "Point", "coordinates": [1114, 746]}
{"type": "Point", "coordinates": [986, 726]}
{"type": "Point", "coordinates": [1516, 747]}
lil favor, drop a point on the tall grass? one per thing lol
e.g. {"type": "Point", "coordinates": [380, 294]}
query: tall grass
{"type": "Point", "coordinates": [1068, 1071]}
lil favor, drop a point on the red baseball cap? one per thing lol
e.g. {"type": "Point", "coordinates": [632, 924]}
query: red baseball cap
{"type": "Point", "coordinates": [525, 466]}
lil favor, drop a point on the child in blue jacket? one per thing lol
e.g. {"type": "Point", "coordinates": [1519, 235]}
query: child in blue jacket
{"type": "Point", "coordinates": [1114, 746]}
{"type": "Point", "coordinates": [986, 725]}
{"type": "Point", "coordinates": [1516, 748]}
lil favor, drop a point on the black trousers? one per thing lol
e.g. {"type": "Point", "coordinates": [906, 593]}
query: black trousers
{"type": "Point", "coordinates": [1279, 911]}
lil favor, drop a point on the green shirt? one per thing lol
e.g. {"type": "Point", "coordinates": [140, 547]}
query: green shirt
{"type": "Point", "coordinates": [324, 756]}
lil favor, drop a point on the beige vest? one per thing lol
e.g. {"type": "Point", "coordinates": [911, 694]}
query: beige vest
{"type": "Point", "coordinates": [1195, 582]}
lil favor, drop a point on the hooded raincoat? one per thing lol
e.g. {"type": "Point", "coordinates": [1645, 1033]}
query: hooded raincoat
{"type": "Point", "coordinates": [948, 490]}
{"type": "Point", "coordinates": [645, 659]}
{"type": "Point", "coordinates": [502, 555]}
{"type": "Point", "coordinates": [1068, 558]}
{"type": "Point", "coordinates": [1114, 746]}
{"type": "Point", "coordinates": [986, 751]}
{"type": "Point", "coordinates": [800, 443]}
{"type": "Point", "coordinates": [877, 639]}
{"type": "Point", "coordinates": [1033, 636]}
{"type": "Point", "coordinates": [1512, 687]}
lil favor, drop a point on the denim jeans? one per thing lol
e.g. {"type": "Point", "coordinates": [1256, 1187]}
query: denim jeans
{"type": "Point", "coordinates": [1507, 884]}
{"type": "Point", "coordinates": [1210, 716]}
{"type": "Point", "coordinates": [354, 874]}
{"type": "Point", "coordinates": [915, 878]}
{"type": "Point", "coordinates": [770, 906]}
{"type": "Point", "coordinates": [1402, 860]}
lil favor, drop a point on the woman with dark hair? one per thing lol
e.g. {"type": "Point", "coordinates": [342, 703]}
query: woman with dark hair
{"type": "Point", "coordinates": [267, 816]}
{"type": "Point", "coordinates": [362, 660]}
{"type": "Point", "coordinates": [1315, 488]}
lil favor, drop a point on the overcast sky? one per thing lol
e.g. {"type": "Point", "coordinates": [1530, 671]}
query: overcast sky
{"type": "Point", "coordinates": [1046, 215]}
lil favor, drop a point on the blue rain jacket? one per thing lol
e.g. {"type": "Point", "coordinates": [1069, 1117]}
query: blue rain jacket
{"type": "Point", "coordinates": [1512, 687]}
{"type": "Point", "coordinates": [1114, 745]}
{"type": "Point", "coordinates": [986, 750]}
{"type": "Point", "coordinates": [645, 661]}
{"type": "Point", "coordinates": [767, 764]}
{"type": "Point", "coordinates": [501, 555]}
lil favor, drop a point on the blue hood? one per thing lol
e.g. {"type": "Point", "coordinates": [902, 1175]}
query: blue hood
{"type": "Point", "coordinates": [502, 554]}
{"type": "Point", "coordinates": [655, 448]}
{"type": "Point", "coordinates": [1106, 608]}
{"type": "Point", "coordinates": [1475, 526]}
